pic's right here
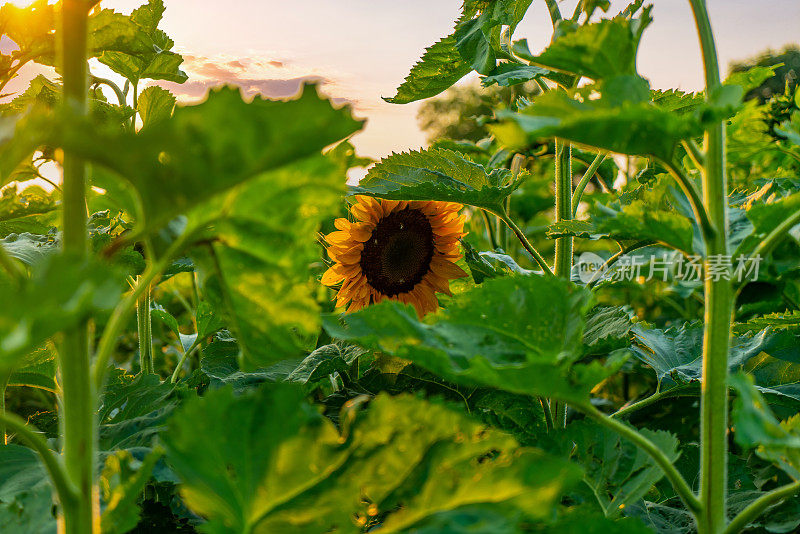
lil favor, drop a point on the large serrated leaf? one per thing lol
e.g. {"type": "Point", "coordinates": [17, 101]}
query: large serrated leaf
{"type": "Point", "coordinates": [598, 50]}
{"type": "Point", "coordinates": [519, 334]}
{"type": "Point", "coordinates": [618, 472]}
{"type": "Point", "coordinates": [675, 355]}
{"type": "Point", "coordinates": [438, 174]}
{"type": "Point", "coordinates": [291, 470]}
{"type": "Point", "coordinates": [621, 120]}
{"type": "Point", "coordinates": [756, 427]}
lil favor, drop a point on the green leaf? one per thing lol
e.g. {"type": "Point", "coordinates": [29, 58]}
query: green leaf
{"type": "Point", "coordinates": [255, 273]}
{"type": "Point", "coordinates": [37, 369]}
{"type": "Point", "coordinates": [440, 67]}
{"type": "Point", "coordinates": [209, 148]}
{"type": "Point", "coordinates": [607, 329]}
{"type": "Point", "coordinates": [519, 334]}
{"type": "Point", "coordinates": [766, 217]}
{"type": "Point", "coordinates": [151, 57]}
{"type": "Point", "coordinates": [133, 410]}
{"type": "Point", "coordinates": [756, 427]}
{"type": "Point", "coordinates": [290, 470]}
{"type": "Point", "coordinates": [484, 265]}
{"type": "Point", "coordinates": [646, 214]}
{"type": "Point", "coordinates": [618, 472]}
{"type": "Point", "coordinates": [20, 471]}
{"type": "Point", "coordinates": [61, 293]}
{"type": "Point", "coordinates": [520, 415]}
{"type": "Point", "coordinates": [675, 355]}
{"type": "Point", "coordinates": [438, 174]}
{"type": "Point", "coordinates": [30, 248]}
{"type": "Point", "coordinates": [122, 481]}
{"type": "Point", "coordinates": [621, 120]}
{"type": "Point", "coordinates": [30, 210]}
{"type": "Point", "coordinates": [29, 511]}
{"type": "Point", "coordinates": [325, 361]}
{"type": "Point", "coordinates": [598, 50]}
{"type": "Point", "coordinates": [220, 362]}
{"type": "Point", "coordinates": [472, 45]}
{"type": "Point", "coordinates": [508, 74]}
{"type": "Point", "coordinates": [155, 105]}
{"type": "Point", "coordinates": [475, 45]}
{"type": "Point", "coordinates": [751, 78]}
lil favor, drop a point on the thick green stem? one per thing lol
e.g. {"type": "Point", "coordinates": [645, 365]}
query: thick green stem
{"type": "Point", "coordinates": [563, 259]}
{"type": "Point", "coordinates": [719, 304]}
{"type": "Point", "coordinates": [145, 327]}
{"type": "Point", "coordinates": [81, 515]}
{"type": "Point", "coordinates": [757, 507]}
{"type": "Point", "coordinates": [563, 194]}
{"type": "Point", "coordinates": [678, 483]}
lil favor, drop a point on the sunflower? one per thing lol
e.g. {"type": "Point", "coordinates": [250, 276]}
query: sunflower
{"type": "Point", "coordinates": [397, 250]}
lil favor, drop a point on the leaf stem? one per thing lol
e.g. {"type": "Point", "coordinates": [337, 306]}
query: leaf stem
{"type": "Point", "coordinates": [695, 152]}
{"type": "Point", "coordinates": [584, 181]}
{"type": "Point", "coordinates": [525, 243]}
{"type": "Point", "coordinates": [757, 507]}
{"type": "Point", "coordinates": [695, 200]}
{"type": "Point", "coordinates": [53, 463]}
{"type": "Point", "coordinates": [613, 259]}
{"type": "Point", "coordinates": [490, 229]}
{"type": "Point", "coordinates": [555, 12]}
{"type": "Point", "coordinates": [779, 232]}
{"type": "Point", "coordinates": [647, 401]}
{"type": "Point", "coordinates": [190, 350]}
{"type": "Point", "coordinates": [678, 483]}
{"type": "Point", "coordinates": [96, 80]}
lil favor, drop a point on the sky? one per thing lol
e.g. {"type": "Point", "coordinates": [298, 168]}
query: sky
{"type": "Point", "coordinates": [363, 49]}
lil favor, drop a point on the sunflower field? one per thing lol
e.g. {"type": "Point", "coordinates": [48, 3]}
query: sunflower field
{"type": "Point", "coordinates": [586, 322]}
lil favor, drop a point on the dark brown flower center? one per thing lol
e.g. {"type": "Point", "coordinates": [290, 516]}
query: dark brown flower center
{"type": "Point", "coordinates": [398, 255]}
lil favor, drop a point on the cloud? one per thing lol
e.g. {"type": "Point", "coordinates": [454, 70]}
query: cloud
{"type": "Point", "coordinates": [255, 75]}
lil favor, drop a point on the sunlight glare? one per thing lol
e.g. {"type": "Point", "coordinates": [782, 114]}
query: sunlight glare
{"type": "Point", "coordinates": [22, 3]}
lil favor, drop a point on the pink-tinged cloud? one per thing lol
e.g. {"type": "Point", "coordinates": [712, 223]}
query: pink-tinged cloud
{"type": "Point", "coordinates": [266, 77]}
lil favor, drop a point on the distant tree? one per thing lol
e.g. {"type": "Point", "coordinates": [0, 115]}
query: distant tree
{"type": "Point", "coordinates": [788, 73]}
{"type": "Point", "coordinates": [457, 113]}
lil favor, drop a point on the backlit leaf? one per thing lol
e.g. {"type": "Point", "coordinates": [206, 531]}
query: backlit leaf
{"type": "Point", "coordinates": [437, 174]}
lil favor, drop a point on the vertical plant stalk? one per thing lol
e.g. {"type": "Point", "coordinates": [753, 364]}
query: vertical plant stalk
{"type": "Point", "coordinates": [563, 259]}
{"type": "Point", "coordinates": [4, 378]}
{"type": "Point", "coordinates": [80, 515]}
{"type": "Point", "coordinates": [144, 322]}
{"type": "Point", "coordinates": [719, 304]}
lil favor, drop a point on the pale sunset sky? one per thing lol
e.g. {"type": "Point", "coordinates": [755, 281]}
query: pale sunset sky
{"type": "Point", "coordinates": [362, 49]}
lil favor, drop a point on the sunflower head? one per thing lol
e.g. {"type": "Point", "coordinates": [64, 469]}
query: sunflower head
{"type": "Point", "coordinates": [396, 250]}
